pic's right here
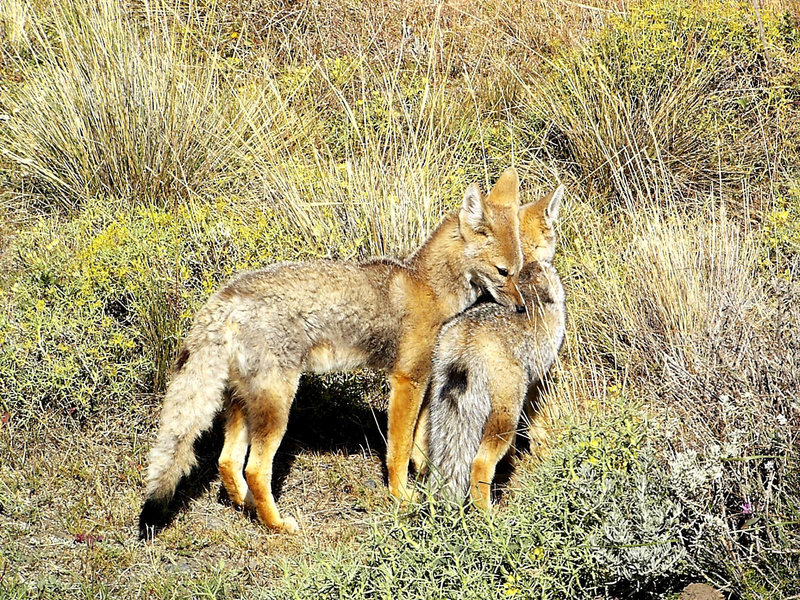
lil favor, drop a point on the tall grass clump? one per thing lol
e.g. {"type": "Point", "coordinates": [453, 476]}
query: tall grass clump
{"type": "Point", "coordinates": [681, 303]}
{"type": "Point", "coordinates": [679, 306]}
{"type": "Point", "coordinates": [389, 153]}
{"type": "Point", "coordinates": [671, 99]}
{"type": "Point", "coordinates": [112, 105]}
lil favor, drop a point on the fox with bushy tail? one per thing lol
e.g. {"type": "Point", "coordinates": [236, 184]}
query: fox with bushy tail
{"type": "Point", "coordinates": [257, 335]}
{"type": "Point", "coordinates": [487, 359]}
{"type": "Point", "coordinates": [194, 397]}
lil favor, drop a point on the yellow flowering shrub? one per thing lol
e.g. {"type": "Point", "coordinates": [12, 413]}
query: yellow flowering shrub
{"type": "Point", "coordinates": [780, 235]}
{"type": "Point", "coordinates": [95, 305]}
{"type": "Point", "coordinates": [674, 98]}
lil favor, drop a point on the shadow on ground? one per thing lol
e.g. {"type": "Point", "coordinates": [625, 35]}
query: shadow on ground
{"type": "Point", "coordinates": [332, 413]}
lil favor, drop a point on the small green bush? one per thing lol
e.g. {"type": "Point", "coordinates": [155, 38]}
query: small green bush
{"type": "Point", "coordinates": [780, 235]}
{"type": "Point", "coordinates": [601, 515]}
{"type": "Point", "coordinates": [614, 511]}
{"type": "Point", "coordinates": [95, 305]}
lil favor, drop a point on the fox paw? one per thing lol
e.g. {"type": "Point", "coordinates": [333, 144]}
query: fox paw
{"type": "Point", "coordinates": [288, 525]}
{"type": "Point", "coordinates": [399, 491]}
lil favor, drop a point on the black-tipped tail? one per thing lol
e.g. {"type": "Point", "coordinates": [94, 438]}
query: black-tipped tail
{"type": "Point", "coordinates": [155, 515]}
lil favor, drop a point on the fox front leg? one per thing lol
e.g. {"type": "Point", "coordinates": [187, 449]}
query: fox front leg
{"type": "Point", "coordinates": [405, 399]}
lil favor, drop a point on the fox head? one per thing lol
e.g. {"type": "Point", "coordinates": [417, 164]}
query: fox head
{"type": "Point", "coordinates": [489, 226]}
{"type": "Point", "coordinates": [537, 222]}
{"type": "Point", "coordinates": [535, 282]}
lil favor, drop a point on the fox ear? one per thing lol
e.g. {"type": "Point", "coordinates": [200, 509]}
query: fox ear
{"type": "Point", "coordinates": [554, 205]}
{"type": "Point", "coordinates": [547, 206]}
{"type": "Point", "coordinates": [472, 208]}
{"type": "Point", "coordinates": [506, 190]}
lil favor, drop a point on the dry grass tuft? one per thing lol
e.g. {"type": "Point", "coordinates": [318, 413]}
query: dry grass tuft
{"type": "Point", "coordinates": [112, 106]}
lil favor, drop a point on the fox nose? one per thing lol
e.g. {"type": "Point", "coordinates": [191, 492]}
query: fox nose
{"type": "Point", "coordinates": [520, 308]}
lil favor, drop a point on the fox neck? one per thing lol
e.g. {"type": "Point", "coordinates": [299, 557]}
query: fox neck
{"type": "Point", "coordinates": [440, 264]}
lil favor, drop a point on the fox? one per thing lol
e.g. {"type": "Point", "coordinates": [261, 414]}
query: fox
{"type": "Point", "coordinates": [254, 337]}
{"type": "Point", "coordinates": [537, 233]}
{"type": "Point", "coordinates": [488, 360]}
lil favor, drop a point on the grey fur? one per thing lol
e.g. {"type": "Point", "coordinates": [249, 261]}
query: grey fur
{"type": "Point", "coordinates": [272, 321]}
{"type": "Point", "coordinates": [489, 346]}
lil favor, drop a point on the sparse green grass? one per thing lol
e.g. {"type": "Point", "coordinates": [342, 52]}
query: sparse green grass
{"type": "Point", "coordinates": [148, 151]}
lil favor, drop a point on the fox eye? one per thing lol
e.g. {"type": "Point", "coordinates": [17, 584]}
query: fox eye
{"type": "Point", "coordinates": [503, 272]}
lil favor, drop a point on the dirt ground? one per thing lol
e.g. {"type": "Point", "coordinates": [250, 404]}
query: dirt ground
{"type": "Point", "coordinates": [70, 494]}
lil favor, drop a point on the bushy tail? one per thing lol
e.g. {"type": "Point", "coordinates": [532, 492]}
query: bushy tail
{"type": "Point", "coordinates": [192, 400]}
{"type": "Point", "coordinates": [460, 407]}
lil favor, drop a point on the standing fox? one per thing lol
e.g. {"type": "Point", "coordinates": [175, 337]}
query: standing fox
{"type": "Point", "coordinates": [487, 359]}
{"type": "Point", "coordinates": [256, 335]}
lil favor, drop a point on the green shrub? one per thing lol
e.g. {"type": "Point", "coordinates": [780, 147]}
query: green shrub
{"type": "Point", "coordinates": [613, 511]}
{"type": "Point", "coordinates": [681, 306]}
{"type": "Point", "coordinates": [671, 98]}
{"type": "Point", "coordinates": [95, 305]}
{"type": "Point", "coordinates": [780, 235]}
{"type": "Point", "coordinates": [601, 515]}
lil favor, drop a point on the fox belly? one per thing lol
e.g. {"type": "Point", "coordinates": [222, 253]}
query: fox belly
{"type": "Point", "coordinates": [325, 357]}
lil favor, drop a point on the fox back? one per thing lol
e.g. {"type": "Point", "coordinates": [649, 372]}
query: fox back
{"type": "Point", "coordinates": [484, 362]}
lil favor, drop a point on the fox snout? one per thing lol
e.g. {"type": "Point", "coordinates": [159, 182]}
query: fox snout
{"type": "Point", "coordinates": [518, 301]}
{"type": "Point", "coordinates": [509, 295]}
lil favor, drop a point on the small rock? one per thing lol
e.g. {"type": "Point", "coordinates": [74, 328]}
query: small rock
{"type": "Point", "coordinates": [180, 566]}
{"type": "Point", "coordinates": [700, 591]}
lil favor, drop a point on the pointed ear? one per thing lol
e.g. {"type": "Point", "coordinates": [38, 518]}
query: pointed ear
{"type": "Point", "coordinates": [506, 190]}
{"type": "Point", "coordinates": [472, 207]}
{"type": "Point", "coordinates": [528, 212]}
{"type": "Point", "coordinates": [554, 206]}
{"type": "Point", "coordinates": [548, 206]}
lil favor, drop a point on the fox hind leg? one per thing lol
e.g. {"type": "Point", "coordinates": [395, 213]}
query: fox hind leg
{"type": "Point", "coordinates": [267, 408]}
{"type": "Point", "coordinates": [539, 415]}
{"type": "Point", "coordinates": [234, 452]}
{"type": "Point", "coordinates": [419, 453]}
{"type": "Point", "coordinates": [498, 435]}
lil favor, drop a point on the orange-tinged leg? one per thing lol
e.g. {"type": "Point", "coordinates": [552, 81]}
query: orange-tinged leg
{"type": "Point", "coordinates": [267, 417]}
{"type": "Point", "coordinates": [405, 399]}
{"type": "Point", "coordinates": [489, 454]}
{"type": "Point", "coordinates": [507, 395]}
{"type": "Point", "coordinates": [539, 416]}
{"type": "Point", "coordinates": [234, 451]}
{"type": "Point", "coordinates": [539, 435]}
{"type": "Point", "coordinates": [419, 452]}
